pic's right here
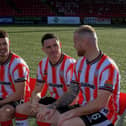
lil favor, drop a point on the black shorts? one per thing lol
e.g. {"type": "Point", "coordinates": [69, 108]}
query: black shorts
{"type": "Point", "coordinates": [50, 100]}
{"type": "Point", "coordinates": [47, 100]}
{"type": "Point", "coordinates": [14, 104]}
{"type": "Point", "coordinates": [89, 120]}
{"type": "Point", "coordinates": [96, 118]}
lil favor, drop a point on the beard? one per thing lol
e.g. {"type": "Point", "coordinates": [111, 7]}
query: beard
{"type": "Point", "coordinates": [3, 56]}
{"type": "Point", "coordinates": [81, 53]}
{"type": "Point", "coordinates": [4, 53]}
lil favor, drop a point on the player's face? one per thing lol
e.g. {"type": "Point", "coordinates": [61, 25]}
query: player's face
{"type": "Point", "coordinates": [79, 45]}
{"type": "Point", "coordinates": [4, 48]}
{"type": "Point", "coordinates": [52, 48]}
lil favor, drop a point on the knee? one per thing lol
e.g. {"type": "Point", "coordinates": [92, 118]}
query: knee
{"type": "Point", "coordinates": [23, 108]}
{"type": "Point", "coordinates": [7, 113]}
{"type": "Point", "coordinates": [20, 108]}
{"type": "Point", "coordinates": [73, 122]}
{"type": "Point", "coordinates": [65, 123]}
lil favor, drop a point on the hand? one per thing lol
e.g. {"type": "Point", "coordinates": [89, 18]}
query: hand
{"type": "Point", "coordinates": [45, 113]}
{"type": "Point", "coordinates": [66, 116]}
{"type": "Point", "coordinates": [34, 104]}
{"type": "Point", "coordinates": [34, 100]}
{"type": "Point", "coordinates": [34, 108]}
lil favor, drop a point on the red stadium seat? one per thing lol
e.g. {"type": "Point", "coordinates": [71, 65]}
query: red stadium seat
{"type": "Point", "coordinates": [122, 102]}
{"type": "Point", "coordinates": [32, 83]}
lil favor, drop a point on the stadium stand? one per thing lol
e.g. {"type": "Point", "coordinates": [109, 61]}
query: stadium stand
{"type": "Point", "coordinates": [27, 8]}
{"type": "Point", "coordinates": [62, 8]}
{"type": "Point", "coordinates": [115, 10]}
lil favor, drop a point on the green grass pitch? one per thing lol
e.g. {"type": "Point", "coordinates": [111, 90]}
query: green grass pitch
{"type": "Point", "coordinates": [25, 41]}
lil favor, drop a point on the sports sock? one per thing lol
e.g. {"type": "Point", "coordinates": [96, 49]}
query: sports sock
{"type": "Point", "coordinates": [21, 120]}
{"type": "Point", "coordinates": [7, 123]}
{"type": "Point", "coordinates": [43, 123]}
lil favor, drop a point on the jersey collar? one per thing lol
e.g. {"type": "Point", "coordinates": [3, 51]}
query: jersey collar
{"type": "Point", "coordinates": [96, 59]}
{"type": "Point", "coordinates": [59, 61]}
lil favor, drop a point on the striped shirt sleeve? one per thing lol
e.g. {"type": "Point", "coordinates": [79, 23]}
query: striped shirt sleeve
{"type": "Point", "coordinates": [20, 73]}
{"type": "Point", "coordinates": [108, 78]}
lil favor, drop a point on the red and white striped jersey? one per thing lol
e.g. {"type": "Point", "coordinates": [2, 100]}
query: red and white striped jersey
{"type": "Point", "coordinates": [57, 76]}
{"type": "Point", "coordinates": [12, 71]}
{"type": "Point", "coordinates": [101, 73]}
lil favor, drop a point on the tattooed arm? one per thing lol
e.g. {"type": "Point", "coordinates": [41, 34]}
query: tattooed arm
{"type": "Point", "coordinates": [64, 100]}
{"type": "Point", "coordinates": [67, 97]}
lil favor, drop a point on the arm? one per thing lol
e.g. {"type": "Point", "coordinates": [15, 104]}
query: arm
{"type": "Point", "coordinates": [67, 97]}
{"type": "Point", "coordinates": [17, 95]}
{"type": "Point", "coordinates": [36, 94]}
{"type": "Point", "coordinates": [94, 106]}
{"type": "Point", "coordinates": [91, 107]}
{"type": "Point", "coordinates": [40, 83]}
{"type": "Point", "coordinates": [64, 100]}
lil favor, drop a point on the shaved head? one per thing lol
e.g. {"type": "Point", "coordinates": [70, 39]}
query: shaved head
{"type": "Point", "coordinates": [86, 31]}
{"type": "Point", "coordinates": [85, 40]}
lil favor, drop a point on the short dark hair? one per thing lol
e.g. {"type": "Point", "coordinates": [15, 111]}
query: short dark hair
{"type": "Point", "coordinates": [48, 36]}
{"type": "Point", "coordinates": [3, 34]}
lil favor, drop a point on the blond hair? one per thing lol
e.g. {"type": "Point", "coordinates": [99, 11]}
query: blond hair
{"type": "Point", "coordinates": [86, 29]}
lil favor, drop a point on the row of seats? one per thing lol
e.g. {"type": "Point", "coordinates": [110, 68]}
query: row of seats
{"type": "Point", "coordinates": [24, 8]}
{"type": "Point", "coordinates": [62, 8]}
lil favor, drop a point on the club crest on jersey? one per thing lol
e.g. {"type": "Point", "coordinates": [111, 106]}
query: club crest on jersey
{"type": "Point", "coordinates": [109, 82]}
